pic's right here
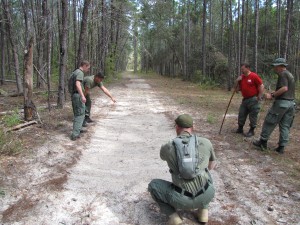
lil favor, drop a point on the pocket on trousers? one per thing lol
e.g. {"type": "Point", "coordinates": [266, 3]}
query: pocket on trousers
{"type": "Point", "coordinates": [272, 117]}
{"type": "Point", "coordinates": [79, 107]}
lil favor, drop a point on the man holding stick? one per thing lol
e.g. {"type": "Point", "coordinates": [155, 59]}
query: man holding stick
{"type": "Point", "coordinates": [252, 88]}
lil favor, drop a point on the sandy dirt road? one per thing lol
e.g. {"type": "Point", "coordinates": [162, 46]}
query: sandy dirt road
{"type": "Point", "coordinates": [119, 156]}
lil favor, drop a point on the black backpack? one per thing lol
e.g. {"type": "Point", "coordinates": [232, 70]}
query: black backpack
{"type": "Point", "coordinates": [71, 83]}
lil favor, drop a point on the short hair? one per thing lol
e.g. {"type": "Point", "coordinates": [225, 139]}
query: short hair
{"type": "Point", "coordinates": [84, 63]}
{"type": "Point", "coordinates": [247, 65]}
{"type": "Point", "coordinates": [100, 75]}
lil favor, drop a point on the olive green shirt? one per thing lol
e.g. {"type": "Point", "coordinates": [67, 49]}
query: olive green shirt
{"type": "Point", "coordinates": [90, 83]}
{"type": "Point", "coordinates": [79, 76]}
{"type": "Point", "coordinates": [285, 78]}
{"type": "Point", "coordinates": [206, 152]}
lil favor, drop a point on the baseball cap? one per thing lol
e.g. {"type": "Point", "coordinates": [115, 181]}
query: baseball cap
{"type": "Point", "coordinates": [184, 120]}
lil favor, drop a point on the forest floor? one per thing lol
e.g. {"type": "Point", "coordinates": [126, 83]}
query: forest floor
{"type": "Point", "coordinates": [102, 177]}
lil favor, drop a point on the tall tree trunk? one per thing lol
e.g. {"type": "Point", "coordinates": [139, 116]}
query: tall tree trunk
{"type": "Point", "coordinates": [63, 53]}
{"type": "Point", "coordinates": [29, 107]}
{"type": "Point", "coordinates": [11, 36]}
{"type": "Point", "coordinates": [203, 38]}
{"type": "Point", "coordinates": [135, 53]}
{"type": "Point", "coordinates": [48, 47]}
{"type": "Point", "coordinates": [83, 33]}
{"type": "Point", "coordinates": [279, 27]}
{"type": "Point", "coordinates": [256, 9]}
{"type": "Point", "coordinates": [289, 12]}
{"type": "Point", "coordinates": [2, 77]}
{"type": "Point", "coordinates": [75, 30]}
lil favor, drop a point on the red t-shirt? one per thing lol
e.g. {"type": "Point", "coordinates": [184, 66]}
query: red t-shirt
{"type": "Point", "coordinates": [249, 85]}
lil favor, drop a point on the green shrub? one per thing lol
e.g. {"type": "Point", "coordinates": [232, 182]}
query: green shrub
{"type": "Point", "coordinates": [9, 145]}
{"type": "Point", "coordinates": [210, 119]}
{"type": "Point", "coordinates": [12, 120]}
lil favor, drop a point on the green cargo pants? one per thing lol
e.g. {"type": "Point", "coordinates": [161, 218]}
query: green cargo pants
{"type": "Point", "coordinates": [251, 107]}
{"type": "Point", "coordinates": [282, 112]}
{"type": "Point", "coordinates": [88, 105]}
{"type": "Point", "coordinates": [79, 112]}
{"type": "Point", "coordinates": [169, 200]}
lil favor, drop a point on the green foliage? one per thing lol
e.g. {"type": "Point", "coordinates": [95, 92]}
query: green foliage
{"type": "Point", "coordinates": [2, 192]}
{"type": "Point", "coordinates": [9, 145]}
{"type": "Point", "coordinates": [12, 120]}
{"type": "Point", "coordinates": [211, 119]}
{"type": "Point", "coordinates": [203, 81]}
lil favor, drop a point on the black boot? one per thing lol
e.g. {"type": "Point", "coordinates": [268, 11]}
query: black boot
{"type": "Point", "coordinates": [88, 119]}
{"type": "Point", "coordinates": [250, 132]}
{"type": "Point", "coordinates": [261, 143]}
{"type": "Point", "coordinates": [279, 149]}
{"type": "Point", "coordinates": [239, 130]}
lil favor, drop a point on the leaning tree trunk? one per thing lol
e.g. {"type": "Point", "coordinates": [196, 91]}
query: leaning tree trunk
{"type": "Point", "coordinates": [29, 107]}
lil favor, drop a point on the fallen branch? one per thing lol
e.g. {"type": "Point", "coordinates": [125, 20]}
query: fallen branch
{"type": "Point", "coordinates": [22, 125]}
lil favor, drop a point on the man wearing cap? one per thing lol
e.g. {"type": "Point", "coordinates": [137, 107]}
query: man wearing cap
{"type": "Point", "coordinates": [282, 111]}
{"type": "Point", "coordinates": [252, 88]}
{"type": "Point", "coordinates": [90, 82]}
{"type": "Point", "coordinates": [195, 193]}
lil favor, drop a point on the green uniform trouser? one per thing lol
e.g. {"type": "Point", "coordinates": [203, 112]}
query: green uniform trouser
{"type": "Point", "coordinates": [169, 200]}
{"type": "Point", "coordinates": [282, 112]}
{"type": "Point", "coordinates": [78, 111]}
{"type": "Point", "coordinates": [88, 105]}
{"type": "Point", "coordinates": [251, 107]}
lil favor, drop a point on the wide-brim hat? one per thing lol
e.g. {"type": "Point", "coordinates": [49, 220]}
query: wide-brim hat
{"type": "Point", "coordinates": [279, 62]}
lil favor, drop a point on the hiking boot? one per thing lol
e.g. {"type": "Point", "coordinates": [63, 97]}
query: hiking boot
{"type": "Point", "coordinates": [279, 149]}
{"type": "Point", "coordinates": [203, 215]}
{"type": "Point", "coordinates": [262, 144]}
{"type": "Point", "coordinates": [174, 219]}
{"type": "Point", "coordinates": [239, 130]}
{"type": "Point", "coordinates": [74, 138]}
{"type": "Point", "coordinates": [83, 131]}
{"type": "Point", "coordinates": [88, 119]}
{"type": "Point", "coordinates": [84, 123]}
{"type": "Point", "coordinates": [250, 132]}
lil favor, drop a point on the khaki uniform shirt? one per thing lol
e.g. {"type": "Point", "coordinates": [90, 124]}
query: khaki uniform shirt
{"type": "Point", "coordinates": [206, 152]}
{"type": "Point", "coordinates": [90, 83]}
{"type": "Point", "coordinates": [79, 76]}
{"type": "Point", "coordinates": [285, 78]}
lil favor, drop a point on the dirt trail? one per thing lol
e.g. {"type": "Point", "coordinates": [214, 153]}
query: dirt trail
{"type": "Point", "coordinates": [120, 155]}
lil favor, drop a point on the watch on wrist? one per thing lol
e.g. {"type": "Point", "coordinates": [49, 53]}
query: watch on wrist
{"type": "Point", "coordinates": [272, 94]}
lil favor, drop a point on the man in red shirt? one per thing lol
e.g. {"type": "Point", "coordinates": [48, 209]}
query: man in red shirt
{"type": "Point", "coordinates": [252, 88]}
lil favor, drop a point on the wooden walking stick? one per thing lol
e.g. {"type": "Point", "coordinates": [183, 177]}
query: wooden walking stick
{"type": "Point", "coordinates": [235, 88]}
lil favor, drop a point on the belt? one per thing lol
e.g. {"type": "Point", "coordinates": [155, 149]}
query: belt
{"type": "Point", "coordinates": [284, 99]}
{"type": "Point", "coordinates": [189, 194]}
{"type": "Point", "coordinates": [249, 97]}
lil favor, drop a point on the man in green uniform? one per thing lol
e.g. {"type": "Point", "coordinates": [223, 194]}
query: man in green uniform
{"type": "Point", "coordinates": [78, 99]}
{"type": "Point", "coordinates": [195, 193]}
{"type": "Point", "coordinates": [282, 111]}
{"type": "Point", "coordinates": [90, 82]}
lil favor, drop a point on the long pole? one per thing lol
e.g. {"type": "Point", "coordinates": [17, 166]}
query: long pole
{"type": "Point", "coordinates": [235, 88]}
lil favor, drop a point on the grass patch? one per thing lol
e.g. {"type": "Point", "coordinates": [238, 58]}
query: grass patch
{"type": "Point", "coordinates": [2, 192]}
{"type": "Point", "coordinates": [211, 119]}
{"type": "Point", "coordinates": [12, 120]}
{"type": "Point", "coordinates": [9, 145]}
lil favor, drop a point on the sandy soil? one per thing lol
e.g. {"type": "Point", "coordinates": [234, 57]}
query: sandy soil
{"type": "Point", "coordinates": [102, 178]}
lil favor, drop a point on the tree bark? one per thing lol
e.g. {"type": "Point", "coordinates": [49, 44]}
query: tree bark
{"type": "Point", "coordinates": [289, 12]}
{"type": "Point", "coordinates": [203, 38]}
{"type": "Point", "coordinates": [11, 37]}
{"type": "Point", "coordinates": [29, 107]}
{"type": "Point", "coordinates": [83, 32]}
{"type": "Point", "coordinates": [256, 9]}
{"type": "Point", "coordinates": [63, 53]}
